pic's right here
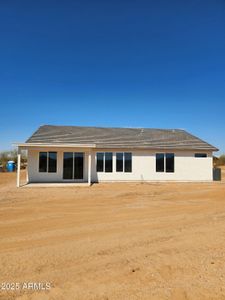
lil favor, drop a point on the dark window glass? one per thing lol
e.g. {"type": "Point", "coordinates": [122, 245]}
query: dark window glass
{"type": "Point", "coordinates": [200, 155]}
{"type": "Point", "coordinates": [128, 162]}
{"type": "Point", "coordinates": [52, 162]}
{"type": "Point", "coordinates": [159, 162]}
{"type": "Point", "coordinates": [108, 161]}
{"type": "Point", "coordinates": [170, 162]}
{"type": "Point", "coordinates": [119, 162]}
{"type": "Point", "coordinates": [100, 157]}
{"type": "Point", "coordinates": [42, 161]}
{"type": "Point", "coordinates": [78, 165]}
{"type": "Point", "coordinates": [68, 165]}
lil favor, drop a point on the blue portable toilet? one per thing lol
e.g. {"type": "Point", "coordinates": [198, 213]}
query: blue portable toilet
{"type": "Point", "coordinates": [10, 166]}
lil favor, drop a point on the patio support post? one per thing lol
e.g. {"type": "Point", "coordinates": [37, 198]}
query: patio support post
{"type": "Point", "coordinates": [18, 168]}
{"type": "Point", "coordinates": [89, 168]}
{"type": "Point", "coordinates": [27, 177]}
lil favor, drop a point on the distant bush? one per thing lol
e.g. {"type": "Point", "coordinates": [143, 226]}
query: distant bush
{"type": "Point", "coordinates": [221, 160]}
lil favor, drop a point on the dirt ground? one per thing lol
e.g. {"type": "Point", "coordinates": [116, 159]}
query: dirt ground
{"type": "Point", "coordinates": [113, 241]}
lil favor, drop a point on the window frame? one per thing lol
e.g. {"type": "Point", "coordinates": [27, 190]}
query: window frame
{"type": "Point", "coordinates": [160, 153]}
{"type": "Point", "coordinates": [120, 171]}
{"type": "Point", "coordinates": [111, 167]}
{"type": "Point", "coordinates": [164, 162]}
{"type": "Point", "coordinates": [167, 170]}
{"type": "Point", "coordinates": [114, 162]}
{"type": "Point", "coordinates": [104, 156]}
{"type": "Point", "coordinates": [200, 155]}
{"type": "Point", "coordinates": [47, 162]}
{"type": "Point", "coordinates": [46, 167]}
{"type": "Point", "coordinates": [96, 162]}
{"type": "Point", "coordinates": [124, 162]}
{"type": "Point", "coordinates": [124, 154]}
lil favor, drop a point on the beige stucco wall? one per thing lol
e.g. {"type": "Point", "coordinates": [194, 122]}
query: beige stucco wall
{"type": "Point", "coordinates": [187, 167]}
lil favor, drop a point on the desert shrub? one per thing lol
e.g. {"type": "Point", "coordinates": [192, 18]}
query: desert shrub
{"type": "Point", "coordinates": [4, 157]}
{"type": "Point", "coordinates": [215, 161]}
{"type": "Point", "coordinates": [221, 160]}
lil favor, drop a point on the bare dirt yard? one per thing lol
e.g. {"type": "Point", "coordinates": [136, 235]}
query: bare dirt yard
{"type": "Point", "coordinates": [112, 241]}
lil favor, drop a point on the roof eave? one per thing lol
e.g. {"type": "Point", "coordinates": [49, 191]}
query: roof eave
{"type": "Point", "coordinates": [97, 146]}
{"type": "Point", "coordinates": [55, 145]}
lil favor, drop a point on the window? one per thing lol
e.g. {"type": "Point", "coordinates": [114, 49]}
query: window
{"type": "Point", "coordinates": [165, 162]}
{"type": "Point", "coordinates": [108, 162]}
{"type": "Point", "coordinates": [104, 162]}
{"type": "Point", "coordinates": [48, 162]}
{"type": "Point", "coordinates": [159, 162]}
{"type": "Point", "coordinates": [100, 163]}
{"type": "Point", "coordinates": [128, 162]}
{"type": "Point", "coordinates": [200, 155]}
{"type": "Point", "coordinates": [169, 162]}
{"type": "Point", "coordinates": [124, 162]}
{"type": "Point", "coordinates": [119, 162]}
{"type": "Point", "coordinates": [52, 162]}
{"type": "Point", "coordinates": [43, 161]}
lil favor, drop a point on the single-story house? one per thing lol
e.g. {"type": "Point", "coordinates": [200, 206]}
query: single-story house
{"type": "Point", "coordinates": [64, 154]}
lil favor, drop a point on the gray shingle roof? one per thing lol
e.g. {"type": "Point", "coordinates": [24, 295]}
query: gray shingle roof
{"type": "Point", "coordinates": [119, 137]}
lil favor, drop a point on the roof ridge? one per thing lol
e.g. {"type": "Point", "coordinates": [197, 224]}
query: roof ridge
{"type": "Point", "coordinates": [113, 127]}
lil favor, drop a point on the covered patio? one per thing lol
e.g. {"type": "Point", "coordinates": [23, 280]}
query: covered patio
{"type": "Point", "coordinates": [51, 165]}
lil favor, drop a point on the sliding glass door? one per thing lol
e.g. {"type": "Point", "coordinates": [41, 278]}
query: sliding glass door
{"type": "Point", "coordinates": [68, 165]}
{"type": "Point", "coordinates": [78, 170]}
{"type": "Point", "coordinates": [73, 165]}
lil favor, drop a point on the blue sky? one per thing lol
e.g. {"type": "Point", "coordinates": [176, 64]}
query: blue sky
{"type": "Point", "coordinates": [126, 63]}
